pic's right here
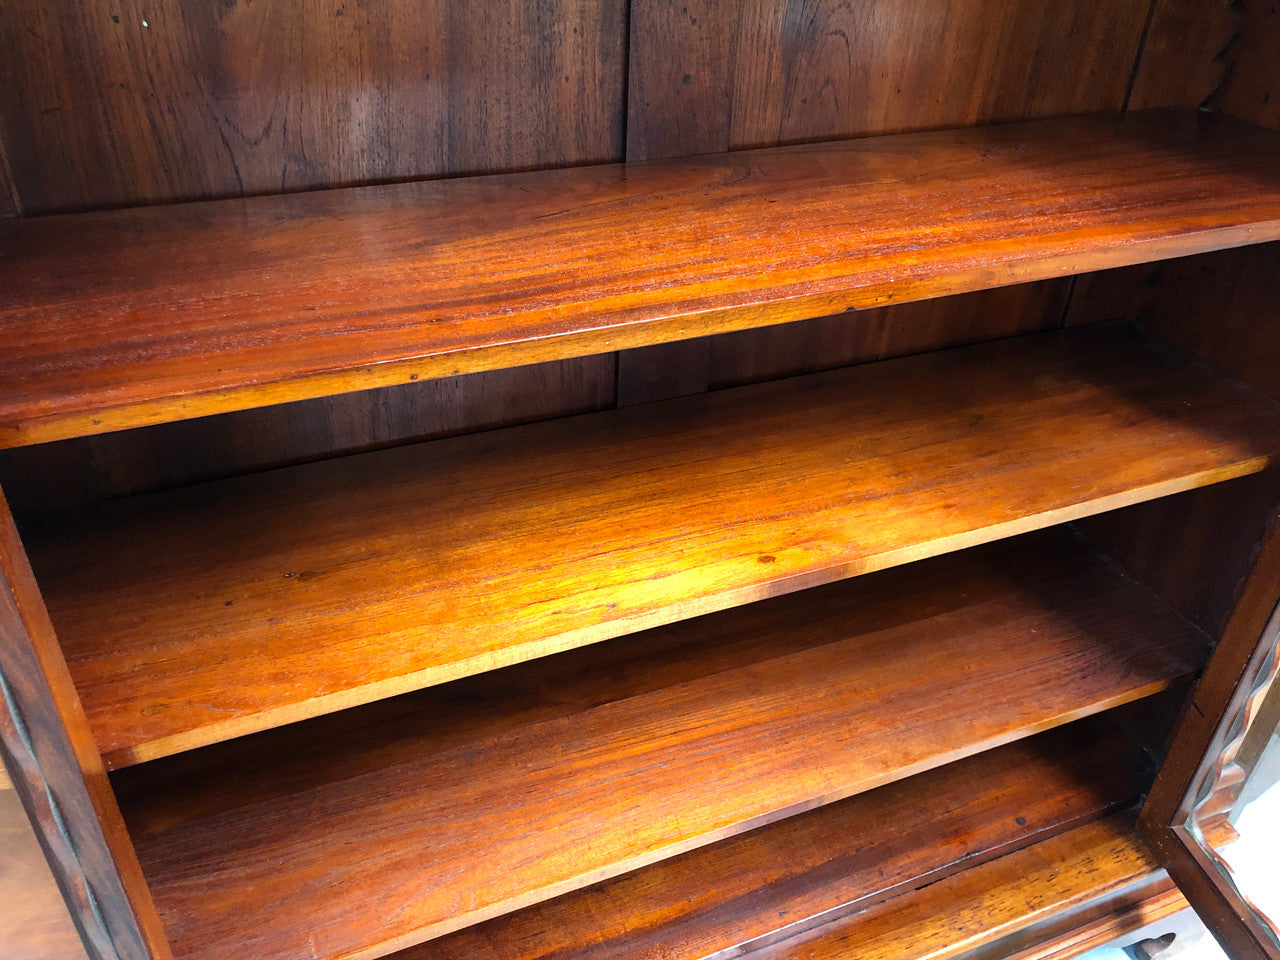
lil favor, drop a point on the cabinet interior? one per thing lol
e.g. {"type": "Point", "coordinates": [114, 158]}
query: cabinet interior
{"type": "Point", "coordinates": [707, 585]}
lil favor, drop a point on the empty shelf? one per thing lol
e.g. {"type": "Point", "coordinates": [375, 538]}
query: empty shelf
{"type": "Point", "coordinates": [200, 614]}
{"type": "Point", "coordinates": [129, 317]}
{"type": "Point", "coordinates": [374, 829]}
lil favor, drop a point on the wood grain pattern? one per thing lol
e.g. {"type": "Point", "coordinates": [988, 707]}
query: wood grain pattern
{"type": "Point", "coordinates": [131, 317]}
{"type": "Point", "coordinates": [685, 367]}
{"type": "Point", "coordinates": [84, 470]}
{"type": "Point", "coordinates": [199, 614]}
{"type": "Point", "coordinates": [1101, 927]}
{"type": "Point", "coordinates": [829, 862]}
{"type": "Point", "coordinates": [1186, 58]}
{"type": "Point", "coordinates": [34, 924]}
{"type": "Point", "coordinates": [59, 777]}
{"type": "Point", "coordinates": [1163, 814]}
{"type": "Point", "coordinates": [977, 911]}
{"type": "Point", "coordinates": [713, 75]}
{"type": "Point", "coordinates": [233, 98]}
{"type": "Point", "coordinates": [1252, 90]}
{"type": "Point", "coordinates": [505, 789]}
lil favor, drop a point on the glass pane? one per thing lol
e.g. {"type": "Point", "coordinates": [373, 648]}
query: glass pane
{"type": "Point", "coordinates": [1234, 807]}
{"type": "Point", "coordinates": [34, 922]}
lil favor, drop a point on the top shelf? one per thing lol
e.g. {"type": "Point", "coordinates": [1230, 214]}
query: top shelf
{"type": "Point", "coordinates": [124, 318]}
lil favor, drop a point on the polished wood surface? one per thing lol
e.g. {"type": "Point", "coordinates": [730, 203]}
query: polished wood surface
{"type": "Point", "coordinates": [1186, 58]}
{"type": "Point", "coordinates": [1200, 734]}
{"type": "Point", "coordinates": [713, 75]}
{"type": "Point", "coordinates": [1103, 925]}
{"type": "Point", "coordinates": [200, 614]}
{"type": "Point", "coordinates": [501, 790]}
{"type": "Point", "coordinates": [58, 774]}
{"type": "Point", "coordinates": [978, 911]}
{"type": "Point", "coordinates": [110, 103]}
{"type": "Point", "coordinates": [826, 863]}
{"type": "Point", "coordinates": [685, 367]}
{"type": "Point", "coordinates": [124, 318]}
{"type": "Point", "coordinates": [83, 470]}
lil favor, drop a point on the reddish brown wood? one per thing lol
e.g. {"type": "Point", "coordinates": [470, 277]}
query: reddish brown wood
{"type": "Point", "coordinates": [1253, 87]}
{"type": "Point", "coordinates": [1163, 814]}
{"type": "Point", "coordinates": [132, 317]}
{"type": "Point", "coordinates": [1157, 899]}
{"type": "Point", "coordinates": [826, 863]}
{"type": "Point", "coordinates": [200, 614]}
{"type": "Point", "coordinates": [111, 103]}
{"type": "Point", "coordinates": [58, 774]}
{"type": "Point", "coordinates": [1220, 306]}
{"type": "Point", "coordinates": [1185, 60]}
{"type": "Point", "coordinates": [509, 788]}
{"type": "Point", "coordinates": [825, 343]}
{"type": "Point", "coordinates": [712, 75]}
{"type": "Point", "coordinates": [1004, 904]}
{"type": "Point", "coordinates": [88, 469]}
{"type": "Point", "coordinates": [9, 205]}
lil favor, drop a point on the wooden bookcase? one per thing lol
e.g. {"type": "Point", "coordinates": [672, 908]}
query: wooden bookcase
{"type": "Point", "coordinates": [802, 550]}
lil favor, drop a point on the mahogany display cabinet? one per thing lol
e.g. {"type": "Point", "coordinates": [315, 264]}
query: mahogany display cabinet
{"type": "Point", "coordinates": [585, 480]}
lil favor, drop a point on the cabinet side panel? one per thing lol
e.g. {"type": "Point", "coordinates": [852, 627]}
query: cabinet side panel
{"type": "Point", "coordinates": [58, 773]}
{"type": "Point", "coordinates": [116, 102]}
{"type": "Point", "coordinates": [1195, 548]}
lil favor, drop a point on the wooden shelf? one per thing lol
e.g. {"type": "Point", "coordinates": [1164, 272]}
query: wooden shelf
{"type": "Point", "coordinates": [123, 318]}
{"type": "Point", "coordinates": [828, 864]}
{"type": "Point", "coordinates": [196, 615]}
{"type": "Point", "coordinates": [363, 832]}
{"type": "Point", "coordinates": [999, 907]}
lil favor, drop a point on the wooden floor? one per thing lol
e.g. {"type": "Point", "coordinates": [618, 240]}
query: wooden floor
{"type": "Point", "coordinates": [196, 615]}
{"type": "Point", "coordinates": [364, 831]}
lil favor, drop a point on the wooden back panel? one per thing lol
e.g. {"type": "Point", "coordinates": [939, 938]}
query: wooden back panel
{"type": "Point", "coordinates": [146, 103]}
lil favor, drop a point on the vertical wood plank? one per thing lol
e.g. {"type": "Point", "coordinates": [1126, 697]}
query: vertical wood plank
{"type": "Point", "coordinates": [726, 74]}
{"type": "Point", "coordinates": [1184, 61]}
{"type": "Point", "coordinates": [58, 774]}
{"type": "Point", "coordinates": [711, 75]}
{"type": "Point", "coordinates": [143, 102]}
{"type": "Point", "coordinates": [9, 206]}
{"type": "Point", "coordinates": [1252, 90]}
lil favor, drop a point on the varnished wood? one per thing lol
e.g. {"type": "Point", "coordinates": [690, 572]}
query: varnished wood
{"type": "Point", "coordinates": [84, 470]}
{"type": "Point", "coordinates": [979, 911]}
{"type": "Point", "coordinates": [824, 864]}
{"type": "Point", "coordinates": [195, 615]}
{"type": "Point", "coordinates": [1185, 61]}
{"type": "Point", "coordinates": [509, 788]}
{"type": "Point", "coordinates": [34, 924]}
{"type": "Point", "coordinates": [685, 367]}
{"type": "Point", "coordinates": [121, 319]}
{"type": "Point", "coordinates": [712, 75]}
{"type": "Point", "coordinates": [58, 774]}
{"type": "Point", "coordinates": [237, 97]}
{"type": "Point", "coordinates": [1161, 900]}
{"type": "Point", "coordinates": [1252, 90]}
{"type": "Point", "coordinates": [1199, 730]}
